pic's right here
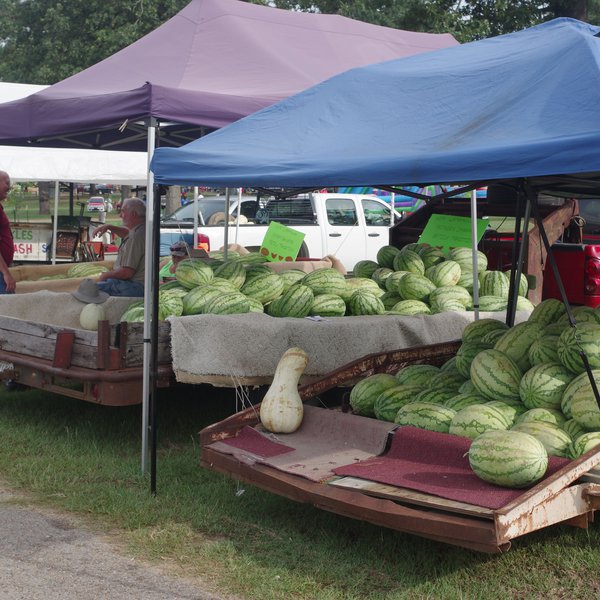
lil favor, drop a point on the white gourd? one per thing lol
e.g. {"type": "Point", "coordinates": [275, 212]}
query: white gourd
{"type": "Point", "coordinates": [90, 315]}
{"type": "Point", "coordinates": [281, 410]}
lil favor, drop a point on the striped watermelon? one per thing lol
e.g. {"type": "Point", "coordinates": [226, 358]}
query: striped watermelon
{"type": "Point", "coordinates": [543, 350]}
{"type": "Point", "coordinates": [477, 329]}
{"type": "Point", "coordinates": [359, 283]}
{"type": "Point", "coordinates": [466, 279]}
{"type": "Point", "coordinates": [545, 415]}
{"type": "Point", "coordinates": [449, 366]}
{"type": "Point", "coordinates": [386, 255]}
{"type": "Point", "coordinates": [410, 307]}
{"type": "Point", "coordinates": [464, 257]}
{"type": "Point", "coordinates": [415, 287]}
{"type": "Point", "coordinates": [290, 277]}
{"type": "Point", "coordinates": [448, 379]}
{"type": "Point", "coordinates": [417, 374]}
{"type": "Point", "coordinates": [325, 281]}
{"type": "Point", "coordinates": [495, 375]}
{"type": "Point", "coordinates": [365, 392]}
{"type": "Point", "coordinates": [194, 302]}
{"type": "Point", "coordinates": [495, 283]}
{"type": "Point", "coordinates": [425, 415]}
{"type": "Point", "coordinates": [555, 328]}
{"type": "Point", "coordinates": [451, 292]}
{"type": "Point", "coordinates": [328, 305]}
{"type": "Point", "coordinates": [491, 337]}
{"type": "Point", "coordinates": [547, 312]}
{"type": "Point", "coordinates": [543, 386]}
{"type": "Point", "coordinates": [296, 302]}
{"type": "Point", "coordinates": [467, 388]}
{"type": "Point", "coordinates": [510, 411]}
{"type": "Point", "coordinates": [407, 260]}
{"type": "Point", "coordinates": [365, 303]}
{"type": "Point", "coordinates": [492, 303]}
{"type": "Point", "coordinates": [192, 272]}
{"type": "Point", "coordinates": [446, 273]}
{"type": "Point", "coordinates": [582, 314]}
{"type": "Point", "coordinates": [584, 406]}
{"type": "Point", "coordinates": [218, 283]}
{"type": "Point", "coordinates": [253, 271]}
{"type": "Point", "coordinates": [523, 284]}
{"type": "Point", "coordinates": [390, 299]}
{"type": "Point", "coordinates": [556, 441]}
{"type": "Point", "coordinates": [365, 268]}
{"type": "Point", "coordinates": [264, 288]}
{"type": "Point", "coordinates": [472, 421]}
{"type": "Point", "coordinates": [584, 337]}
{"type": "Point", "coordinates": [393, 281]}
{"type": "Point", "coordinates": [175, 287]}
{"type": "Point", "coordinates": [431, 255]}
{"type": "Point", "coordinates": [465, 355]}
{"type": "Point", "coordinates": [85, 269]}
{"type": "Point", "coordinates": [584, 443]}
{"type": "Point", "coordinates": [517, 340]}
{"type": "Point", "coordinates": [134, 313]}
{"type": "Point", "coordinates": [389, 402]}
{"type": "Point", "coordinates": [380, 276]}
{"type": "Point", "coordinates": [447, 305]}
{"type": "Point", "coordinates": [523, 304]}
{"type": "Point", "coordinates": [254, 305]}
{"type": "Point", "coordinates": [227, 303]}
{"type": "Point", "coordinates": [435, 396]}
{"type": "Point", "coordinates": [508, 458]}
{"type": "Point", "coordinates": [461, 401]}
{"type": "Point", "coordinates": [232, 271]}
{"type": "Point", "coordinates": [169, 304]}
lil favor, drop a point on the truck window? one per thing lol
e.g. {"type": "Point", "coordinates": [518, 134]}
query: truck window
{"type": "Point", "coordinates": [294, 211]}
{"type": "Point", "coordinates": [341, 211]}
{"type": "Point", "coordinates": [376, 213]}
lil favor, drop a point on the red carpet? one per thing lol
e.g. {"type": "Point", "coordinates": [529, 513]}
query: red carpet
{"type": "Point", "coordinates": [252, 441]}
{"type": "Point", "coordinates": [435, 463]}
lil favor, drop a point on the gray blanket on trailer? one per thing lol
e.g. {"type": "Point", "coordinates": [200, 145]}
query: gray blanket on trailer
{"type": "Point", "coordinates": [232, 349]}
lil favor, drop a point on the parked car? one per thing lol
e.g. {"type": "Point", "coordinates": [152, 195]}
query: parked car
{"type": "Point", "coordinates": [99, 204]}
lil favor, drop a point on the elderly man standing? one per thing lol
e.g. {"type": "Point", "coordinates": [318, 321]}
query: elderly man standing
{"type": "Point", "coordinates": [127, 275]}
{"type": "Point", "coordinates": [7, 249]}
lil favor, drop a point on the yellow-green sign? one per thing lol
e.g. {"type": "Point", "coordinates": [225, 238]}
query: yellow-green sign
{"type": "Point", "coordinates": [281, 243]}
{"type": "Point", "coordinates": [447, 231]}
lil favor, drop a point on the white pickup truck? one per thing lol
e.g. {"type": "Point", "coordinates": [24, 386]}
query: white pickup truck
{"type": "Point", "coordinates": [350, 226]}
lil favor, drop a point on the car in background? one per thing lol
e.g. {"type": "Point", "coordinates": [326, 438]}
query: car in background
{"type": "Point", "coordinates": [211, 211]}
{"type": "Point", "coordinates": [99, 204]}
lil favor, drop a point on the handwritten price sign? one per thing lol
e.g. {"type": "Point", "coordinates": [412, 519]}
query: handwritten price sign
{"type": "Point", "coordinates": [281, 243]}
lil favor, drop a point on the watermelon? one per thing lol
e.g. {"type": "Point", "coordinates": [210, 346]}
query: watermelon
{"type": "Point", "coordinates": [174, 287]}
{"type": "Point", "coordinates": [449, 365]}
{"type": "Point", "coordinates": [431, 255]}
{"type": "Point", "coordinates": [134, 313]}
{"type": "Point", "coordinates": [510, 411]}
{"type": "Point", "coordinates": [386, 255]}
{"type": "Point", "coordinates": [254, 271]}
{"type": "Point", "coordinates": [443, 305]}
{"type": "Point", "coordinates": [255, 305]}
{"type": "Point", "coordinates": [328, 305]}
{"type": "Point", "coordinates": [476, 419]}
{"type": "Point", "coordinates": [491, 337]}
{"type": "Point", "coordinates": [264, 288]}
{"type": "Point", "coordinates": [366, 391]}
{"type": "Point", "coordinates": [227, 303]}
{"type": "Point", "coordinates": [546, 415]}
{"type": "Point", "coordinates": [523, 304]}
{"type": "Point", "coordinates": [290, 277]}
{"type": "Point", "coordinates": [393, 281]}
{"type": "Point", "coordinates": [581, 314]}
{"type": "Point", "coordinates": [547, 312]}
{"type": "Point", "coordinates": [494, 283]}
{"type": "Point", "coordinates": [465, 355]}
{"type": "Point", "coordinates": [467, 388]}
{"type": "Point", "coordinates": [573, 428]}
{"type": "Point", "coordinates": [425, 415]}
{"type": "Point", "coordinates": [417, 374]}
{"type": "Point", "coordinates": [435, 396]}
{"type": "Point", "coordinates": [85, 269]}
{"type": "Point", "coordinates": [477, 329]}
{"type": "Point", "coordinates": [523, 284]}
{"type": "Point", "coordinates": [365, 268]}
{"type": "Point", "coordinates": [495, 375]}
{"type": "Point", "coordinates": [380, 275]}
{"type": "Point", "coordinates": [584, 337]}
{"type": "Point", "coordinates": [543, 350]}
{"type": "Point", "coordinates": [584, 443]}
{"type": "Point", "coordinates": [169, 304]}
{"type": "Point", "coordinates": [232, 271]}
{"type": "Point", "coordinates": [451, 292]}
{"type": "Point", "coordinates": [444, 274]}
{"type": "Point", "coordinates": [325, 281]}
{"type": "Point", "coordinates": [408, 260]}
{"type": "Point", "coordinates": [192, 272]}
{"type": "Point", "coordinates": [296, 302]}
{"type": "Point", "coordinates": [584, 406]}
{"type": "Point", "coordinates": [517, 340]}
{"type": "Point", "coordinates": [463, 400]}
{"type": "Point", "coordinates": [543, 386]}
{"type": "Point", "coordinates": [360, 283]}
{"type": "Point", "coordinates": [556, 441]}
{"type": "Point", "coordinates": [492, 303]}
{"type": "Point", "coordinates": [415, 287]}
{"type": "Point", "coordinates": [448, 379]}
{"type": "Point", "coordinates": [410, 307]}
{"type": "Point", "coordinates": [194, 302]}
{"type": "Point", "coordinates": [365, 303]}
{"type": "Point", "coordinates": [464, 257]}
{"type": "Point", "coordinates": [389, 402]}
{"type": "Point", "coordinates": [508, 458]}
{"type": "Point", "coordinates": [390, 299]}
{"type": "Point", "coordinates": [218, 283]}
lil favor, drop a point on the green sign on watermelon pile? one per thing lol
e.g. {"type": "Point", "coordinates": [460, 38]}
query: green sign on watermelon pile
{"type": "Point", "coordinates": [448, 231]}
{"type": "Point", "coordinates": [281, 243]}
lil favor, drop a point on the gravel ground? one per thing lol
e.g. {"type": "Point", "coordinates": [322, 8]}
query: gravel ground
{"type": "Point", "coordinates": [45, 556]}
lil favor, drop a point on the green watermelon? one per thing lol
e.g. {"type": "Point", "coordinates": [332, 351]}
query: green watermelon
{"type": "Point", "coordinates": [325, 281]}
{"type": "Point", "coordinates": [264, 288]}
{"type": "Point", "coordinates": [556, 441]}
{"type": "Point", "coordinates": [586, 338]}
{"type": "Point", "coordinates": [417, 374]}
{"type": "Point", "coordinates": [386, 255]}
{"type": "Point", "coordinates": [389, 402]}
{"type": "Point", "coordinates": [407, 260]}
{"type": "Point", "coordinates": [328, 305]}
{"type": "Point", "coordinates": [444, 274]}
{"type": "Point", "coordinates": [425, 415]}
{"type": "Point", "coordinates": [365, 268]}
{"type": "Point", "coordinates": [296, 302]}
{"type": "Point", "coordinates": [543, 386]}
{"type": "Point", "coordinates": [366, 391]}
{"type": "Point", "coordinates": [365, 303]}
{"type": "Point", "coordinates": [415, 287]}
{"type": "Point", "coordinates": [477, 329]}
{"type": "Point", "coordinates": [410, 307]}
{"type": "Point", "coordinates": [192, 272]}
{"type": "Point", "coordinates": [547, 312]}
{"type": "Point", "coordinates": [517, 341]}
{"type": "Point", "coordinates": [495, 375]}
{"type": "Point", "coordinates": [474, 420]}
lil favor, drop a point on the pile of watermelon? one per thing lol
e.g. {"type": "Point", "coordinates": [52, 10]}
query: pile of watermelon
{"type": "Point", "coordinates": [520, 393]}
{"type": "Point", "coordinates": [422, 279]}
{"type": "Point", "coordinates": [83, 269]}
{"type": "Point", "coordinates": [418, 279]}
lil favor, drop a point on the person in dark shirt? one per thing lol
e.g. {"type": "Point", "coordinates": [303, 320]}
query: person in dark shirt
{"type": "Point", "coordinates": [7, 249]}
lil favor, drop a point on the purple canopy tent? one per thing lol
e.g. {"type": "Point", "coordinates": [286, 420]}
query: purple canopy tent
{"type": "Point", "coordinates": [213, 63]}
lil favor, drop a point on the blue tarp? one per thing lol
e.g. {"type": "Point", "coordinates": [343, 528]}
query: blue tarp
{"type": "Point", "coordinates": [519, 105]}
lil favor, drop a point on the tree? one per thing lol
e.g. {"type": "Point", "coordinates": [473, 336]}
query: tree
{"type": "Point", "coordinates": [44, 41]}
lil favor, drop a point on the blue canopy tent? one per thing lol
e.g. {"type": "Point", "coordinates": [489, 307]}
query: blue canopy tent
{"type": "Point", "coordinates": [520, 105]}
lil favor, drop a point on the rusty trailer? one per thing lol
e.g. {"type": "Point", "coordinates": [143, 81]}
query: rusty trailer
{"type": "Point", "coordinates": [570, 495]}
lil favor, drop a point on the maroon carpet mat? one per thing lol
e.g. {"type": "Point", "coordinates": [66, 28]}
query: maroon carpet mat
{"type": "Point", "coordinates": [435, 463]}
{"type": "Point", "coordinates": [254, 442]}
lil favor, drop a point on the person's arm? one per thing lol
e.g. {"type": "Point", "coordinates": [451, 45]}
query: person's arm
{"type": "Point", "coordinates": [120, 273]}
{"type": "Point", "coordinates": [11, 284]}
{"type": "Point", "coordinates": [121, 232]}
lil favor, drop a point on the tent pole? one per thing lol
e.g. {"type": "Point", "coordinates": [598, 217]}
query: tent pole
{"type": "Point", "coordinates": [195, 238]}
{"type": "Point", "coordinates": [475, 255]}
{"type": "Point", "coordinates": [55, 224]}
{"type": "Point", "coordinates": [226, 236]}
{"type": "Point", "coordinates": [148, 285]}
{"type": "Point", "coordinates": [238, 212]}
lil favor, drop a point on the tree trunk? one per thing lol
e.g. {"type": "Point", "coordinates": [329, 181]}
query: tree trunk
{"type": "Point", "coordinates": [125, 191]}
{"type": "Point", "coordinates": [173, 198]}
{"type": "Point", "coordinates": [576, 9]}
{"type": "Point", "coordinates": [45, 190]}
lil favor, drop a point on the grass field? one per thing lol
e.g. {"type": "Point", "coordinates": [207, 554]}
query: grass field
{"type": "Point", "coordinates": [85, 459]}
